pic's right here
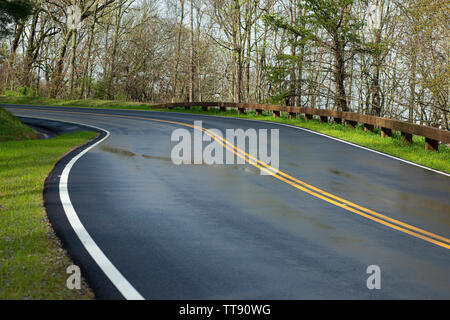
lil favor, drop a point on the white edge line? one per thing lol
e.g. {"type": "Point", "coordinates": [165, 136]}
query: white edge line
{"type": "Point", "coordinates": [304, 129]}
{"type": "Point", "coordinates": [114, 275]}
{"type": "Point", "coordinates": [358, 146]}
{"type": "Point", "coordinates": [266, 121]}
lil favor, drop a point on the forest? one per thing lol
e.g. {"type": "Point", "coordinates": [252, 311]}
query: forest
{"type": "Point", "coordinates": [387, 58]}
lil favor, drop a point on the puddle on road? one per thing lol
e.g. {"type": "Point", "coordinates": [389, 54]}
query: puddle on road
{"type": "Point", "coordinates": [119, 151]}
{"type": "Point", "coordinates": [242, 167]}
{"type": "Point", "coordinates": [146, 156]}
{"type": "Point", "coordinates": [343, 174]}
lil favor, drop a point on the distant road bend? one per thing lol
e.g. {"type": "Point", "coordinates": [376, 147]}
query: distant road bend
{"type": "Point", "coordinates": [162, 231]}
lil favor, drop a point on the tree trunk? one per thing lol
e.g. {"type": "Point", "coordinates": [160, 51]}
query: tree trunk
{"type": "Point", "coordinates": [56, 79]}
{"type": "Point", "coordinates": [28, 61]}
{"type": "Point", "coordinates": [339, 75]}
{"type": "Point", "coordinates": [112, 68]}
{"type": "Point", "coordinates": [237, 51]}
{"type": "Point", "coordinates": [191, 58]}
{"type": "Point", "coordinates": [177, 62]}
{"type": "Point", "coordinates": [376, 102]}
{"type": "Point", "coordinates": [412, 85]}
{"type": "Point", "coordinates": [12, 55]}
{"type": "Point", "coordinates": [72, 62]}
{"type": "Point", "coordinates": [85, 76]}
{"type": "Point", "coordinates": [293, 77]}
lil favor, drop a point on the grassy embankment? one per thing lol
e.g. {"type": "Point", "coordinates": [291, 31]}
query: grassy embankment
{"type": "Point", "coordinates": [32, 262]}
{"type": "Point", "coordinates": [393, 146]}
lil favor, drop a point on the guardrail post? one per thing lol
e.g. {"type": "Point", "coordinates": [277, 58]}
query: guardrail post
{"type": "Point", "coordinates": [407, 137]}
{"type": "Point", "coordinates": [386, 132]}
{"type": "Point", "coordinates": [431, 145]}
{"type": "Point", "coordinates": [433, 136]}
{"type": "Point", "coordinates": [351, 124]}
{"type": "Point", "coordinates": [368, 127]}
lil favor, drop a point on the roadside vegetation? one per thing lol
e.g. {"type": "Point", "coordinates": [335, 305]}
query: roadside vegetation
{"type": "Point", "coordinates": [12, 129]}
{"type": "Point", "coordinates": [393, 146]}
{"type": "Point", "coordinates": [87, 103]}
{"type": "Point", "coordinates": [32, 261]}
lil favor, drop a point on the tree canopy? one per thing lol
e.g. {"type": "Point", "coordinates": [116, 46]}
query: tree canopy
{"type": "Point", "coordinates": [12, 12]}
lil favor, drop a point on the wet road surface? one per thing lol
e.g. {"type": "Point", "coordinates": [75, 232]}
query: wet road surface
{"type": "Point", "coordinates": [227, 232]}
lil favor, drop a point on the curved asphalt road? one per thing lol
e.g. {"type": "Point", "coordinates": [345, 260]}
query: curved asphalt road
{"type": "Point", "coordinates": [226, 232]}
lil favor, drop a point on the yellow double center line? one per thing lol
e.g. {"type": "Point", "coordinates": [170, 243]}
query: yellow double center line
{"type": "Point", "coordinates": [301, 185]}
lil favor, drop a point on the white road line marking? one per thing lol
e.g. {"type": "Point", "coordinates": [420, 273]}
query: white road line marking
{"type": "Point", "coordinates": [114, 275]}
{"type": "Point", "coordinates": [262, 121]}
{"type": "Point", "coordinates": [310, 131]}
{"type": "Point", "coordinates": [368, 149]}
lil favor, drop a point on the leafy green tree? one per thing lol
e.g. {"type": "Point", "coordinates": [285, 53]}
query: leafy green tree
{"type": "Point", "coordinates": [11, 12]}
{"type": "Point", "coordinates": [283, 74]}
{"type": "Point", "coordinates": [335, 18]}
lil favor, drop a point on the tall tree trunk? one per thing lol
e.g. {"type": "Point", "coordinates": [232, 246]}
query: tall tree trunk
{"type": "Point", "coordinates": [112, 67]}
{"type": "Point", "coordinates": [376, 102]}
{"type": "Point", "coordinates": [198, 60]}
{"type": "Point", "coordinates": [191, 57]}
{"type": "Point", "coordinates": [177, 61]}
{"type": "Point", "coordinates": [72, 62]}
{"type": "Point", "coordinates": [412, 85]}
{"type": "Point", "coordinates": [300, 76]}
{"type": "Point", "coordinates": [339, 75]}
{"type": "Point", "coordinates": [262, 64]}
{"type": "Point", "coordinates": [12, 55]}
{"type": "Point", "coordinates": [248, 25]}
{"type": "Point", "coordinates": [56, 79]}
{"type": "Point", "coordinates": [28, 61]}
{"type": "Point", "coordinates": [85, 77]}
{"type": "Point", "coordinates": [293, 78]}
{"type": "Point", "coordinates": [237, 51]}
{"type": "Point", "coordinates": [247, 67]}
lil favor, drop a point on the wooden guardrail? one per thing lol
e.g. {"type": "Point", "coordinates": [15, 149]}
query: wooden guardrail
{"type": "Point", "coordinates": [432, 135]}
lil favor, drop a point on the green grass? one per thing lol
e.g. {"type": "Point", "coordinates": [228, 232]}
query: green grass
{"type": "Point", "coordinates": [12, 129]}
{"type": "Point", "coordinates": [392, 146]}
{"type": "Point", "coordinates": [32, 263]}
{"type": "Point", "coordinates": [88, 103]}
